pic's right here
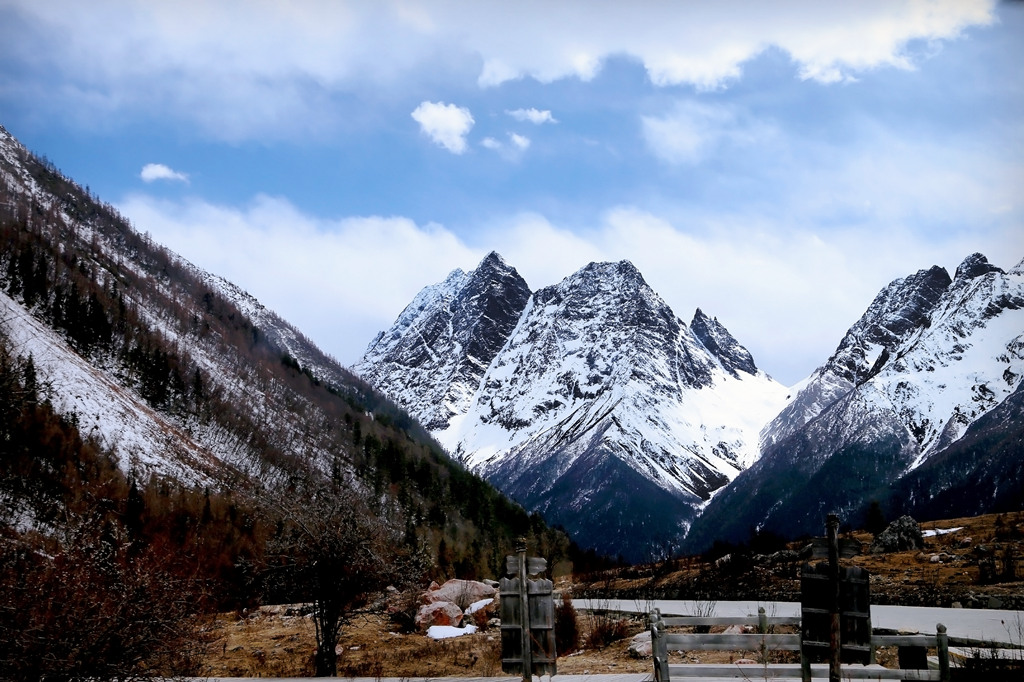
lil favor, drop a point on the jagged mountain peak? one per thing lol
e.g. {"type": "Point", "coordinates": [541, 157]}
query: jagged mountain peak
{"type": "Point", "coordinates": [622, 268]}
{"type": "Point", "coordinates": [614, 292]}
{"type": "Point", "coordinates": [493, 260]}
{"type": "Point", "coordinates": [717, 339]}
{"type": "Point", "coordinates": [900, 310]}
{"type": "Point", "coordinates": [599, 378]}
{"type": "Point", "coordinates": [974, 266]}
{"type": "Point", "coordinates": [434, 355]}
{"type": "Point", "coordinates": [622, 275]}
{"type": "Point", "coordinates": [493, 271]}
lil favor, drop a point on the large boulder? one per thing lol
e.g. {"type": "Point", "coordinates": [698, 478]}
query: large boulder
{"type": "Point", "coordinates": [438, 613]}
{"type": "Point", "coordinates": [640, 646]}
{"type": "Point", "coordinates": [460, 592]}
{"type": "Point", "coordinates": [901, 535]}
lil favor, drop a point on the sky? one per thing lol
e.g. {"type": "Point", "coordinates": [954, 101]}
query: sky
{"type": "Point", "coordinates": [772, 163]}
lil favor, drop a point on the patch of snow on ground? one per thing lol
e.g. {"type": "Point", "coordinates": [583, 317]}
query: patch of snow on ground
{"type": "Point", "coordinates": [477, 605]}
{"type": "Point", "coordinates": [449, 631]}
{"type": "Point", "coordinates": [939, 531]}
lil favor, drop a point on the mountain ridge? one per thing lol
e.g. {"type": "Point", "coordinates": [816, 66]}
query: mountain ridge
{"type": "Point", "coordinates": [946, 360]}
{"type": "Point", "coordinates": [599, 374]}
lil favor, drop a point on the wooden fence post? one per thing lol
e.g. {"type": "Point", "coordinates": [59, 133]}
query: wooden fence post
{"type": "Point", "coordinates": [525, 610]}
{"type": "Point", "coordinates": [942, 650]}
{"type": "Point", "coordinates": [835, 643]}
{"type": "Point", "coordinates": [659, 648]}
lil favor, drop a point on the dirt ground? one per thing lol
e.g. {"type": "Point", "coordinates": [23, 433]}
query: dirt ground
{"type": "Point", "coordinates": [977, 567]}
{"type": "Point", "coordinates": [269, 643]}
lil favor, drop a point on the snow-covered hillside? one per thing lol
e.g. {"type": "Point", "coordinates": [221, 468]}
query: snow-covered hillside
{"type": "Point", "coordinates": [187, 383]}
{"type": "Point", "coordinates": [145, 440]}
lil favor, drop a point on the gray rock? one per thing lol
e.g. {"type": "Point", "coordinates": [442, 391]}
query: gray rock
{"type": "Point", "coordinates": [640, 645]}
{"type": "Point", "coordinates": [461, 592]}
{"type": "Point", "coordinates": [901, 535]}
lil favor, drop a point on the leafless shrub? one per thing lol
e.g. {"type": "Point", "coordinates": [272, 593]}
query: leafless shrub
{"type": "Point", "coordinates": [567, 628]}
{"type": "Point", "coordinates": [89, 606]}
{"type": "Point", "coordinates": [334, 552]}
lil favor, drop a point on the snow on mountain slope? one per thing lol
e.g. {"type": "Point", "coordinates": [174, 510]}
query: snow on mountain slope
{"type": "Point", "coordinates": [938, 352]}
{"type": "Point", "coordinates": [143, 439]}
{"type": "Point", "coordinates": [223, 407]}
{"type": "Point", "coordinates": [967, 360]}
{"type": "Point", "coordinates": [433, 357]}
{"type": "Point", "coordinates": [898, 311]}
{"type": "Point", "coordinates": [907, 382]}
{"type": "Point", "coordinates": [596, 368]}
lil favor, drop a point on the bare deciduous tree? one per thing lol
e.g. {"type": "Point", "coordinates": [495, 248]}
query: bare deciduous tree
{"type": "Point", "coordinates": [331, 550]}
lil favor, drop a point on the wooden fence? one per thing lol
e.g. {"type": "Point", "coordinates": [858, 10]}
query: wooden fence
{"type": "Point", "coordinates": [763, 641]}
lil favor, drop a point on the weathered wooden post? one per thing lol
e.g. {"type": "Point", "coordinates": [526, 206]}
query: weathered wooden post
{"type": "Point", "coordinates": [527, 617]}
{"type": "Point", "coordinates": [659, 648]}
{"type": "Point", "coordinates": [524, 609]}
{"type": "Point", "coordinates": [942, 651]}
{"type": "Point", "coordinates": [835, 636]}
{"type": "Point", "coordinates": [835, 606]}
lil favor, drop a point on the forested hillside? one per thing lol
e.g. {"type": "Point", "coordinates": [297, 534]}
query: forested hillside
{"type": "Point", "coordinates": [153, 435]}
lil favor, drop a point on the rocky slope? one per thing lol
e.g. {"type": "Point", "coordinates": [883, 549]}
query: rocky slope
{"type": "Point", "coordinates": [930, 358]}
{"type": "Point", "coordinates": [601, 409]}
{"type": "Point", "coordinates": [432, 359]}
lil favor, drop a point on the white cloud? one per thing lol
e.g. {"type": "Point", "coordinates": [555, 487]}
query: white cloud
{"type": "Point", "coordinates": [532, 115]}
{"type": "Point", "coordinates": [158, 171]}
{"type": "Point", "coordinates": [340, 281]}
{"type": "Point", "coordinates": [512, 150]}
{"type": "Point", "coordinates": [243, 69]}
{"type": "Point", "coordinates": [706, 44]}
{"type": "Point", "coordinates": [691, 131]}
{"type": "Point", "coordinates": [445, 124]}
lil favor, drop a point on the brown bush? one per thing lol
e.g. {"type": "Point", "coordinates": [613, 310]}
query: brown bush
{"type": "Point", "coordinates": [606, 630]}
{"type": "Point", "coordinates": [567, 627]}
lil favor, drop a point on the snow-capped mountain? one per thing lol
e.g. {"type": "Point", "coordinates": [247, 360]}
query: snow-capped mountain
{"type": "Point", "coordinates": [931, 356]}
{"type": "Point", "coordinates": [432, 360]}
{"type": "Point", "coordinates": [599, 407]}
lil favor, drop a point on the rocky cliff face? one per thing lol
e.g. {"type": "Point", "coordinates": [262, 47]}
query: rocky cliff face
{"type": "Point", "coordinates": [601, 409]}
{"type": "Point", "coordinates": [898, 311]}
{"type": "Point", "coordinates": [929, 359]}
{"type": "Point", "coordinates": [432, 359]}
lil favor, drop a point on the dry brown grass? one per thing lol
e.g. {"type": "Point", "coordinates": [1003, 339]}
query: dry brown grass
{"type": "Point", "coordinates": [269, 643]}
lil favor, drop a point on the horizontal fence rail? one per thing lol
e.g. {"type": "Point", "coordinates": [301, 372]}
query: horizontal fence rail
{"type": "Point", "coordinates": [763, 641]}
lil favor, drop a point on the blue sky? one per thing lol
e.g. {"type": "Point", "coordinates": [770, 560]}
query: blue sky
{"type": "Point", "coordinates": [774, 164]}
